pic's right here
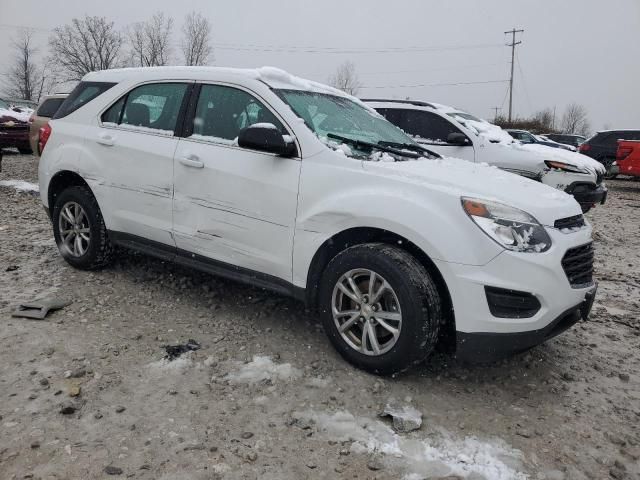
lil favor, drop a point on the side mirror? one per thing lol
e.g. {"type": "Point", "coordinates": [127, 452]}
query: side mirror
{"type": "Point", "coordinates": [459, 139]}
{"type": "Point", "coordinates": [265, 137]}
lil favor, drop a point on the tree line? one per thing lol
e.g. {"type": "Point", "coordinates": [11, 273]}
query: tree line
{"type": "Point", "coordinates": [94, 43]}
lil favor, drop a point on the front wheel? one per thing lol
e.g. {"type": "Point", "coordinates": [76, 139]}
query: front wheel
{"type": "Point", "coordinates": [79, 229]}
{"type": "Point", "coordinates": [380, 308]}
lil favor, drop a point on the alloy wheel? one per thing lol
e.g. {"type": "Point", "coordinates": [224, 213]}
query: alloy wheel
{"type": "Point", "coordinates": [73, 225]}
{"type": "Point", "coordinates": [366, 312]}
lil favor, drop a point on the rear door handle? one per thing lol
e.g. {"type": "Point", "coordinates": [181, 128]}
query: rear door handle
{"type": "Point", "coordinates": [192, 161]}
{"type": "Point", "coordinates": [105, 139]}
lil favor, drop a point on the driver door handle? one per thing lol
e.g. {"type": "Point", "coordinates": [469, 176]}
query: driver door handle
{"type": "Point", "coordinates": [192, 161]}
{"type": "Point", "coordinates": [105, 139]}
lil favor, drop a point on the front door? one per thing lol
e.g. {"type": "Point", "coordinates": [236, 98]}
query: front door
{"type": "Point", "coordinates": [231, 204]}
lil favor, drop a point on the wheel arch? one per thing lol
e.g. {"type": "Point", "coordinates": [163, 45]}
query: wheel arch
{"type": "Point", "coordinates": [359, 235]}
{"type": "Point", "coordinates": [60, 182]}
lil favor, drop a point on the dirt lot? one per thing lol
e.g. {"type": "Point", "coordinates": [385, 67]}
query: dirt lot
{"type": "Point", "coordinates": [267, 397]}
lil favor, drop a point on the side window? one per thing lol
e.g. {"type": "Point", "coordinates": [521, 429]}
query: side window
{"type": "Point", "coordinates": [428, 126]}
{"type": "Point", "coordinates": [223, 111]}
{"type": "Point", "coordinates": [49, 107]}
{"type": "Point", "coordinates": [155, 106]}
{"type": "Point", "coordinates": [81, 95]}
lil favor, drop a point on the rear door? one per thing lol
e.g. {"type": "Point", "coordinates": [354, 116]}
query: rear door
{"type": "Point", "coordinates": [234, 205]}
{"type": "Point", "coordinates": [431, 130]}
{"type": "Point", "coordinates": [135, 142]}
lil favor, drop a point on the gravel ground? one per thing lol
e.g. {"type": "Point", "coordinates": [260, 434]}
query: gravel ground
{"type": "Point", "coordinates": [86, 393]}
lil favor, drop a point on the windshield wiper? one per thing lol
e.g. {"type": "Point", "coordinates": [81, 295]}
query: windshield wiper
{"type": "Point", "coordinates": [377, 146]}
{"type": "Point", "coordinates": [408, 146]}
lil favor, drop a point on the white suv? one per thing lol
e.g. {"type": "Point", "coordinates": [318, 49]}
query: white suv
{"type": "Point", "coordinates": [296, 187]}
{"type": "Point", "coordinates": [453, 133]}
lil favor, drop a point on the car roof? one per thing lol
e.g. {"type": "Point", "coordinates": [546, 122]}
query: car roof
{"type": "Point", "coordinates": [619, 130]}
{"type": "Point", "coordinates": [271, 76]}
{"type": "Point", "coordinates": [417, 105]}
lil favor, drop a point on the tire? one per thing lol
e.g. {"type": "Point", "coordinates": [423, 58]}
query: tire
{"type": "Point", "coordinates": [418, 304]}
{"type": "Point", "coordinates": [97, 251]}
{"type": "Point", "coordinates": [25, 151]}
{"type": "Point", "coordinates": [608, 164]}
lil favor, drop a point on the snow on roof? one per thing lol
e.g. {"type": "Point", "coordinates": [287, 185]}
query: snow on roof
{"type": "Point", "coordinates": [272, 76]}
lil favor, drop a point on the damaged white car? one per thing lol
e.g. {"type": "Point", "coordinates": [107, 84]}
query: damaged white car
{"type": "Point", "coordinates": [293, 186]}
{"type": "Point", "coordinates": [454, 133]}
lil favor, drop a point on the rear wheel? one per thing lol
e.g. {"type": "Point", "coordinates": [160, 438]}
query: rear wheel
{"type": "Point", "coordinates": [79, 229]}
{"type": "Point", "coordinates": [380, 308]}
{"type": "Point", "coordinates": [608, 164]}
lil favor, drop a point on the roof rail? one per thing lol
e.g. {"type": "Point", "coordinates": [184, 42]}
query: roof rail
{"type": "Point", "coordinates": [408, 102]}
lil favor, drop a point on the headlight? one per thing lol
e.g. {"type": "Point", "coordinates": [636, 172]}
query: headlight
{"type": "Point", "coordinates": [511, 228]}
{"type": "Point", "coordinates": [566, 167]}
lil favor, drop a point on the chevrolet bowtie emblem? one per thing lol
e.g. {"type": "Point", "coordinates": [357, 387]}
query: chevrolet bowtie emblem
{"type": "Point", "coordinates": [10, 123]}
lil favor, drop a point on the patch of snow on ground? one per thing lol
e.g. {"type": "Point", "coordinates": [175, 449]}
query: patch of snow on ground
{"type": "Point", "coordinates": [179, 364]}
{"type": "Point", "coordinates": [439, 453]}
{"type": "Point", "coordinates": [20, 185]}
{"type": "Point", "coordinates": [263, 368]}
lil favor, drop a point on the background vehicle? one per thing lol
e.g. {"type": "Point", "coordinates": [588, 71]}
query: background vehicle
{"type": "Point", "coordinates": [14, 126]}
{"type": "Point", "coordinates": [453, 133]}
{"type": "Point", "coordinates": [627, 159]}
{"type": "Point", "coordinates": [603, 146]}
{"type": "Point", "coordinates": [47, 108]}
{"type": "Point", "coordinates": [529, 138]}
{"type": "Point", "coordinates": [219, 169]}
{"type": "Point", "coordinates": [566, 138]}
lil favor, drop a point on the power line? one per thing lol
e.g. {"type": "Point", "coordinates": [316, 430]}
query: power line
{"type": "Point", "coordinates": [436, 84]}
{"type": "Point", "coordinates": [513, 52]}
{"type": "Point", "coordinates": [350, 51]}
{"type": "Point", "coordinates": [524, 84]}
{"type": "Point", "coordinates": [456, 67]}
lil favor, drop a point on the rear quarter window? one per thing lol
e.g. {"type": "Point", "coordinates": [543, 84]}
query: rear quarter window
{"type": "Point", "coordinates": [80, 96]}
{"type": "Point", "coordinates": [49, 107]}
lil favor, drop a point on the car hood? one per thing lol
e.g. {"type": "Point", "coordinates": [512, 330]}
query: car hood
{"type": "Point", "coordinates": [550, 153]}
{"type": "Point", "coordinates": [462, 178]}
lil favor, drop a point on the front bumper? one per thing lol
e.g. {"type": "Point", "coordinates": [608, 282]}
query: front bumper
{"type": "Point", "coordinates": [587, 193]}
{"type": "Point", "coordinates": [540, 274]}
{"type": "Point", "coordinates": [488, 347]}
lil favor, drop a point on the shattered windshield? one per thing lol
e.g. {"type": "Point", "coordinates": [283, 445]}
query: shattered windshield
{"type": "Point", "coordinates": [334, 117]}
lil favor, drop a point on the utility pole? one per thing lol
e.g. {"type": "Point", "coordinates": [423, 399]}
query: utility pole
{"type": "Point", "coordinates": [513, 54]}
{"type": "Point", "coordinates": [495, 117]}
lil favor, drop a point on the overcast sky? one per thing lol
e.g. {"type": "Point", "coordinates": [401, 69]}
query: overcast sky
{"type": "Point", "coordinates": [585, 51]}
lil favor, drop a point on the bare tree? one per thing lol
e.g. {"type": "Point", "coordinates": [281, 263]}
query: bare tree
{"type": "Point", "coordinates": [24, 77]}
{"type": "Point", "coordinates": [196, 41]}
{"type": "Point", "coordinates": [151, 41]}
{"type": "Point", "coordinates": [86, 45]}
{"type": "Point", "coordinates": [575, 120]}
{"type": "Point", "coordinates": [346, 79]}
{"type": "Point", "coordinates": [545, 119]}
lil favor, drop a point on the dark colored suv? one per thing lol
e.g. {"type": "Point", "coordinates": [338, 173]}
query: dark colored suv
{"type": "Point", "coordinates": [604, 145]}
{"type": "Point", "coordinates": [566, 138]}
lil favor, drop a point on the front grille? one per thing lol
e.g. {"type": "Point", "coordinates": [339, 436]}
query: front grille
{"type": "Point", "coordinates": [578, 265]}
{"type": "Point", "coordinates": [576, 221]}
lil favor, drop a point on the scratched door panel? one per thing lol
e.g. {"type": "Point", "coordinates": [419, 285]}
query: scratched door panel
{"type": "Point", "coordinates": [138, 177]}
{"type": "Point", "coordinates": [239, 208]}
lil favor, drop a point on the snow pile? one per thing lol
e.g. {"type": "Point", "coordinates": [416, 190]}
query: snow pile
{"type": "Point", "coordinates": [20, 185]}
{"type": "Point", "coordinates": [440, 454]}
{"type": "Point", "coordinates": [172, 366]}
{"type": "Point", "coordinates": [381, 157]}
{"type": "Point", "coordinates": [262, 368]}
